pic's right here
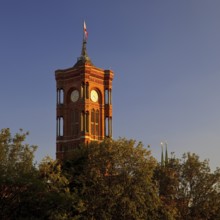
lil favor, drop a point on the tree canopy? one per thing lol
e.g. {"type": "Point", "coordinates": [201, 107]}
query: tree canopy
{"type": "Point", "coordinates": [188, 188]}
{"type": "Point", "coordinates": [114, 179]}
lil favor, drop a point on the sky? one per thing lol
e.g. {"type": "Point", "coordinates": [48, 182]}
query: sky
{"type": "Point", "coordinates": [165, 56]}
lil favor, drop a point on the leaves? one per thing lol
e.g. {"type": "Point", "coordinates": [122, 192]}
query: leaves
{"type": "Point", "coordinates": [16, 158]}
{"type": "Point", "coordinates": [188, 188]}
{"type": "Point", "coordinates": [114, 179]}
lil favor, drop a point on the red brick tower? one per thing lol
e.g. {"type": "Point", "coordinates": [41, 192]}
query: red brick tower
{"type": "Point", "coordinates": [84, 104]}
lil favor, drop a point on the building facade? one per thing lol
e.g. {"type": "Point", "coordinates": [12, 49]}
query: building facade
{"type": "Point", "coordinates": [84, 105]}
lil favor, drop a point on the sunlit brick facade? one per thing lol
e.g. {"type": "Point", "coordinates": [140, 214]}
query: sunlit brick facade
{"type": "Point", "coordinates": [84, 105]}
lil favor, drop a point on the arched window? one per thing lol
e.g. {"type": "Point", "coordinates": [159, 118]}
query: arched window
{"type": "Point", "coordinates": [75, 122]}
{"type": "Point", "coordinates": [87, 90]}
{"type": "Point", "coordinates": [108, 127]}
{"type": "Point", "coordinates": [106, 96]}
{"type": "Point", "coordinates": [82, 94]}
{"type": "Point", "coordinates": [87, 121]}
{"type": "Point", "coordinates": [60, 96]}
{"type": "Point", "coordinates": [97, 123]}
{"type": "Point", "coordinates": [93, 122]}
{"type": "Point", "coordinates": [60, 126]}
{"type": "Point", "coordinates": [82, 121]}
{"type": "Point", "coordinates": [110, 96]}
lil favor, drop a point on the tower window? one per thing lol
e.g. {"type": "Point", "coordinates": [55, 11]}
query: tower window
{"type": "Point", "coordinates": [82, 121]}
{"type": "Point", "coordinates": [87, 90]}
{"type": "Point", "coordinates": [97, 123]}
{"type": "Point", "coordinates": [106, 96]}
{"type": "Point", "coordinates": [95, 118]}
{"type": "Point", "coordinates": [93, 122]}
{"type": "Point", "coordinates": [110, 96]}
{"type": "Point", "coordinates": [108, 127]}
{"type": "Point", "coordinates": [82, 90]}
{"type": "Point", "coordinates": [75, 122]}
{"type": "Point", "coordinates": [87, 121]}
{"type": "Point", "coordinates": [60, 96]}
{"type": "Point", "coordinates": [60, 126]}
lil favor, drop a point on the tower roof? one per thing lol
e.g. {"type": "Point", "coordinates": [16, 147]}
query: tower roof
{"type": "Point", "coordinates": [84, 58]}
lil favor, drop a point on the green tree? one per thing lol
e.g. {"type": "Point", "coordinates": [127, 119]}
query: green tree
{"type": "Point", "coordinates": [16, 158]}
{"type": "Point", "coordinates": [16, 170]}
{"type": "Point", "coordinates": [28, 192]}
{"type": "Point", "coordinates": [188, 189]}
{"type": "Point", "coordinates": [167, 177]}
{"type": "Point", "coordinates": [198, 196]}
{"type": "Point", "coordinates": [113, 180]}
{"type": "Point", "coordinates": [59, 201]}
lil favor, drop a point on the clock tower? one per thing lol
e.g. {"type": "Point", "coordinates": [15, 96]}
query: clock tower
{"type": "Point", "coordinates": [84, 104]}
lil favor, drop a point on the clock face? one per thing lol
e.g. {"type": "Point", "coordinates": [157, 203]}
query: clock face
{"type": "Point", "coordinates": [74, 95]}
{"type": "Point", "coordinates": [94, 96]}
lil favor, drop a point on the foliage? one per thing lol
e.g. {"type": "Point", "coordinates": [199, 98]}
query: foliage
{"type": "Point", "coordinates": [168, 183]}
{"type": "Point", "coordinates": [24, 193]}
{"type": "Point", "coordinates": [113, 180]}
{"type": "Point", "coordinates": [16, 171]}
{"type": "Point", "coordinates": [188, 189]}
{"type": "Point", "coordinates": [58, 198]}
{"type": "Point", "coordinates": [15, 157]}
{"type": "Point", "coordinates": [198, 194]}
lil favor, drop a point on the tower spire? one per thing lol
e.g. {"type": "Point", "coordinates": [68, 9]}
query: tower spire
{"type": "Point", "coordinates": [166, 155]}
{"type": "Point", "coordinates": [84, 56]}
{"type": "Point", "coordinates": [162, 156]}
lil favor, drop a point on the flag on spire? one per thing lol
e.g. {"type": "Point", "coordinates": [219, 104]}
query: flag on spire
{"type": "Point", "coordinates": [85, 31]}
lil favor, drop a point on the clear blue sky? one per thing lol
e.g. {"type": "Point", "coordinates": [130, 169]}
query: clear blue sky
{"type": "Point", "coordinates": [165, 55]}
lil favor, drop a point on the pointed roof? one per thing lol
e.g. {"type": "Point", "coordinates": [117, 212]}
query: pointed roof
{"type": "Point", "coordinates": [166, 155]}
{"type": "Point", "coordinates": [162, 156]}
{"type": "Point", "coordinates": [84, 58]}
